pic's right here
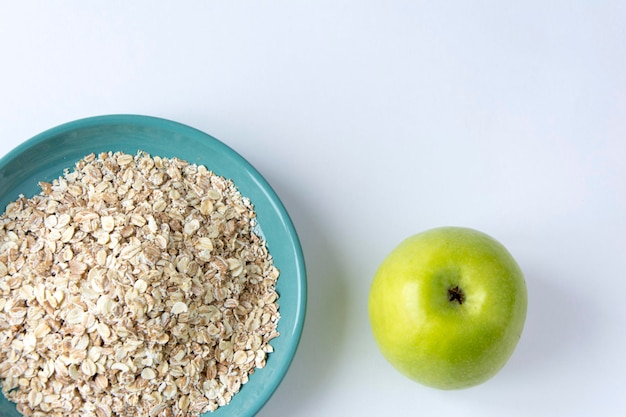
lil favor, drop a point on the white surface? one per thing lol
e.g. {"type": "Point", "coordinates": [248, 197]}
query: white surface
{"type": "Point", "coordinates": [374, 121]}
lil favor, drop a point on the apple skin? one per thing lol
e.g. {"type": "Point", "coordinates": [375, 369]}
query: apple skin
{"type": "Point", "coordinates": [419, 324]}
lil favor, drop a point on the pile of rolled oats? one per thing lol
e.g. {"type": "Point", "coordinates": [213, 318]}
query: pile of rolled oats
{"type": "Point", "coordinates": [132, 286]}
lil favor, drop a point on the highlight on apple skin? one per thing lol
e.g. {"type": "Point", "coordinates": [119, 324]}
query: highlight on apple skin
{"type": "Point", "coordinates": [447, 307]}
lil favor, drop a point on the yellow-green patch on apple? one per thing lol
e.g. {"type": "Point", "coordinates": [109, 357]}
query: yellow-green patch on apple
{"type": "Point", "coordinates": [447, 307]}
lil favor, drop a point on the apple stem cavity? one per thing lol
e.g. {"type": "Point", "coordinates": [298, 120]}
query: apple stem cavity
{"type": "Point", "coordinates": [456, 294]}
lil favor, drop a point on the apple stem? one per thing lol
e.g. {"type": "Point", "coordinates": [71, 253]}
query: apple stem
{"type": "Point", "coordinates": [456, 294]}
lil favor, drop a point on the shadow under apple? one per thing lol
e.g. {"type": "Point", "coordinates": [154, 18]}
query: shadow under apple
{"type": "Point", "coordinates": [559, 324]}
{"type": "Point", "coordinates": [558, 321]}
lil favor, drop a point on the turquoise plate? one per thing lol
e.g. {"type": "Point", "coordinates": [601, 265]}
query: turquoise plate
{"type": "Point", "coordinates": [45, 156]}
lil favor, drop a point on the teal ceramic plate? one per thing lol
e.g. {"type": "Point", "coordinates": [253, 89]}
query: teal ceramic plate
{"type": "Point", "coordinates": [45, 156]}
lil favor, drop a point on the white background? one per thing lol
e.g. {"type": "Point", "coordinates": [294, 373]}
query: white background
{"type": "Point", "coordinates": [374, 120]}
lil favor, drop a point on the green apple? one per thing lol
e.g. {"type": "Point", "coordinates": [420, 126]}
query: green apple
{"type": "Point", "coordinates": [447, 307]}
